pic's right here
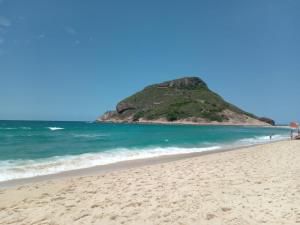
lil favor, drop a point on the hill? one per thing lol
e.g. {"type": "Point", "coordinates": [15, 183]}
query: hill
{"type": "Point", "coordinates": [185, 100]}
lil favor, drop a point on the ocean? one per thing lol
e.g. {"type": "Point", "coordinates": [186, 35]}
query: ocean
{"type": "Point", "coordinates": [33, 148]}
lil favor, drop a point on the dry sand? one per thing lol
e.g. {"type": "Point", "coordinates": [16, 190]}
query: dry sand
{"type": "Point", "coordinates": [257, 185]}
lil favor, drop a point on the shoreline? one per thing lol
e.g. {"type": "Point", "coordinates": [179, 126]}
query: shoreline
{"type": "Point", "coordinates": [162, 122]}
{"type": "Point", "coordinates": [123, 165]}
{"type": "Point", "coordinates": [252, 185]}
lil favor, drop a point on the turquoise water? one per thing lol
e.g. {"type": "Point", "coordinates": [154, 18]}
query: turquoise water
{"type": "Point", "coordinates": [31, 148]}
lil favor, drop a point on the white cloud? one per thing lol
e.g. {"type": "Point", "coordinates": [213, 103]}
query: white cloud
{"type": "Point", "coordinates": [75, 43]}
{"type": "Point", "coordinates": [4, 22]}
{"type": "Point", "coordinates": [41, 36]}
{"type": "Point", "coordinates": [70, 30]}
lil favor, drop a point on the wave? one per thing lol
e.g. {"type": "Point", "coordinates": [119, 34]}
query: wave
{"type": "Point", "coordinates": [55, 128]}
{"type": "Point", "coordinates": [15, 169]}
{"type": "Point", "coordinates": [26, 128]}
{"type": "Point", "coordinates": [90, 135]}
{"type": "Point", "coordinates": [8, 128]}
{"type": "Point", "coordinates": [262, 139]}
{"type": "Point", "coordinates": [15, 128]}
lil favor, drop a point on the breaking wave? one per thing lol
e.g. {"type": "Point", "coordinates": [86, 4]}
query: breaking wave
{"type": "Point", "coordinates": [25, 168]}
{"type": "Point", "coordinates": [55, 128]}
{"type": "Point", "coordinates": [15, 128]}
{"type": "Point", "coordinates": [14, 169]}
{"type": "Point", "coordinates": [261, 139]}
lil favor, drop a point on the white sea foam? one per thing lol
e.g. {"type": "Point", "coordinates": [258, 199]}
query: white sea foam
{"type": "Point", "coordinates": [15, 128]}
{"type": "Point", "coordinates": [261, 139]}
{"type": "Point", "coordinates": [26, 128]}
{"type": "Point", "coordinates": [55, 128]}
{"type": "Point", "coordinates": [90, 135]}
{"type": "Point", "coordinates": [14, 169]}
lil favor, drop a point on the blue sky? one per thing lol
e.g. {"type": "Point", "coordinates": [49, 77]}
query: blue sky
{"type": "Point", "coordinates": [73, 60]}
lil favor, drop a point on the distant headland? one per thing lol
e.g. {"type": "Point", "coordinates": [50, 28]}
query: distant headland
{"type": "Point", "coordinates": [186, 100]}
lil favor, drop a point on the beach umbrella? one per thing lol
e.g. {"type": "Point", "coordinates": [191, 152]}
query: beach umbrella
{"type": "Point", "coordinates": [294, 125]}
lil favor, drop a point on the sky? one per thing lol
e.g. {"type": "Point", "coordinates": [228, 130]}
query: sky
{"type": "Point", "coordinates": [76, 59]}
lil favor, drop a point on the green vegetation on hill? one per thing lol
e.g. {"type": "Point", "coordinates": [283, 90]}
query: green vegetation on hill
{"type": "Point", "coordinates": [185, 98]}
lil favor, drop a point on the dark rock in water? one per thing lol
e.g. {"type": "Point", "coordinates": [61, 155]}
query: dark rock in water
{"type": "Point", "coordinates": [184, 100]}
{"type": "Point", "coordinates": [267, 120]}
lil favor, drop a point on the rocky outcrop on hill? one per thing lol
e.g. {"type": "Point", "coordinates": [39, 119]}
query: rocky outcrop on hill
{"type": "Point", "coordinates": [267, 120]}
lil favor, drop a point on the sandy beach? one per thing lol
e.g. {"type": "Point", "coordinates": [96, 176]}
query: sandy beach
{"type": "Point", "coordinates": [256, 185]}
